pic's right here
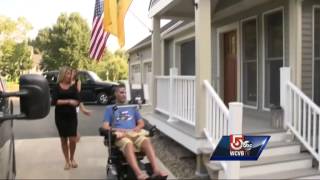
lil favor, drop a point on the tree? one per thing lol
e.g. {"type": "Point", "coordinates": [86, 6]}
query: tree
{"type": "Point", "coordinates": [113, 66]}
{"type": "Point", "coordinates": [15, 30]}
{"type": "Point", "coordinates": [15, 53]}
{"type": "Point", "coordinates": [117, 68]}
{"type": "Point", "coordinates": [16, 58]}
{"type": "Point", "coordinates": [65, 43]}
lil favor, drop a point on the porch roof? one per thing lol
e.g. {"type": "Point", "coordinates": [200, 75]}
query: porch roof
{"type": "Point", "coordinates": [169, 27]}
{"type": "Point", "coordinates": [184, 9]}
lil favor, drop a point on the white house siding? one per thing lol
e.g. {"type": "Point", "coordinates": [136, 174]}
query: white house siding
{"type": "Point", "coordinates": [307, 46]}
{"type": "Point", "coordinates": [258, 12]}
{"type": "Point", "coordinates": [137, 60]}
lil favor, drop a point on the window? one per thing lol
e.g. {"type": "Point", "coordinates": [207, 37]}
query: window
{"type": "Point", "coordinates": [147, 72]}
{"type": "Point", "coordinates": [249, 62]}
{"type": "Point", "coordinates": [51, 78]}
{"type": "Point", "coordinates": [84, 78]}
{"type": "Point", "coordinates": [136, 68]}
{"type": "Point", "coordinates": [273, 35]}
{"type": "Point", "coordinates": [136, 73]}
{"type": "Point", "coordinates": [316, 56]}
{"type": "Point", "coordinates": [2, 99]}
{"type": "Point", "coordinates": [149, 67]}
{"type": "Point", "coordinates": [187, 54]}
{"type": "Point", "coordinates": [94, 76]}
{"type": "Point", "coordinates": [168, 56]}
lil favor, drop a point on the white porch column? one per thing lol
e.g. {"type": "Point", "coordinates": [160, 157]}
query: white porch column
{"type": "Point", "coordinates": [203, 58]}
{"type": "Point", "coordinates": [235, 128]}
{"type": "Point", "coordinates": [173, 73]}
{"type": "Point", "coordinates": [284, 79]}
{"type": "Point", "coordinates": [156, 57]}
{"type": "Point", "coordinates": [295, 40]}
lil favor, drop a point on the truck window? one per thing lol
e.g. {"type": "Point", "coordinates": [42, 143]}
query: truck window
{"type": "Point", "coordinates": [51, 78]}
{"type": "Point", "coordinates": [84, 77]}
{"type": "Point", "coordinates": [2, 100]}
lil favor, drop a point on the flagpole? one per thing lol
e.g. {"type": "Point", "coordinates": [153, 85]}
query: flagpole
{"type": "Point", "coordinates": [141, 22]}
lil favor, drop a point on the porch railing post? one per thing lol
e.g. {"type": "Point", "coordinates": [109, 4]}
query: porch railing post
{"type": "Point", "coordinates": [284, 79]}
{"type": "Point", "coordinates": [173, 73]}
{"type": "Point", "coordinates": [235, 127]}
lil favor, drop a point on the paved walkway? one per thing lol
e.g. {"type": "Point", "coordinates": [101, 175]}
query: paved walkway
{"type": "Point", "coordinates": [43, 159]}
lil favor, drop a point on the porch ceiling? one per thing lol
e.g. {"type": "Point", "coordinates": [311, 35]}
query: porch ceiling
{"type": "Point", "coordinates": [182, 9]}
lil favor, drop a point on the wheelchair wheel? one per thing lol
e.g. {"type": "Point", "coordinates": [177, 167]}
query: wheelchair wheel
{"type": "Point", "coordinates": [148, 169]}
{"type": "Point", "coordinates": [129, 173]}
{"type": "Point", "coordinates": [111, 172]}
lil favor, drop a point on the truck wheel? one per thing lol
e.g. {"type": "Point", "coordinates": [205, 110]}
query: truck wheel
{"type": "Point", "coordinates": [102, 98]}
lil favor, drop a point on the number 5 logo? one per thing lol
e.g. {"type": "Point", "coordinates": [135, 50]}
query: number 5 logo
{"type": "Point", "coordinates": [236, 142]}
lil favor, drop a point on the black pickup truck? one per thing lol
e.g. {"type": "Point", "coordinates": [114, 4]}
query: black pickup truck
{"type": "Point", "coordinates": [7, 170]}
{"type": "Point", "coordinates": [93, 89]}
{"type": "Point", "coordinates": [34, 104]}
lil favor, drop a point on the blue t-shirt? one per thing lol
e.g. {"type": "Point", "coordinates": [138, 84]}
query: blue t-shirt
{"type": "Point", "coordinates": [125, 117]}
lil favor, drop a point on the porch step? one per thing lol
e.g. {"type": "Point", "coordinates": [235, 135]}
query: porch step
{"type": "Point", "coordinates": [272, 149]}
{"type": "Point", "coordinates": [206, 154]}
{"type": "Point", "coordinates": [292, 174]}
{"type": "Point", "coordinates": [280, 148]}
{"type": "Point", "coordinates": [273, 164]}
{"type": "Point", "coordinates": [276, 136]}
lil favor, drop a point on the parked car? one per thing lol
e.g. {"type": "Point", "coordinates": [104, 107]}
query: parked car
{"type": "Point", "coordinates": [34, 104]}
{"type": "Point", "coordinates": [93, 89]}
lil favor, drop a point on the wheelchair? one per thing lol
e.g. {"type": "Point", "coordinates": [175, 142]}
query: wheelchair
{"type": "Point", "coordinates": [117, 166]}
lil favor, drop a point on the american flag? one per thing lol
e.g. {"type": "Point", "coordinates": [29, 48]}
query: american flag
{"type": "Point", "coordinates": [98, 35]}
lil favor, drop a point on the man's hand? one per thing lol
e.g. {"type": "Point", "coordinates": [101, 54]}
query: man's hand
{"type": "Point", "coordinates": [119, 134]}
{"type": "Point", "coordinates": [137, 129]}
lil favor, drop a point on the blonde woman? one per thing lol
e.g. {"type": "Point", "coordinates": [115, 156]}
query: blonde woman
{"type": "Point", "coordinates": [75, 81]}
{"type": "Point", "coordinates": [66, 99]}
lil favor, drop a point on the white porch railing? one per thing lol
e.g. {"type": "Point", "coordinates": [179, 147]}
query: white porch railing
{"type": "Point", "coordinates": [183, 102]}
{"type": "Point", "coordinates": [176, 97]}
{"type": "Point", "coordinates": [217, 116]}
{"type": "Point", "coordinates": [301, 114]}
{"type": "Point", "coordinates": [222, 121]}
{"type": "Point", "coordinates": [162, 84]}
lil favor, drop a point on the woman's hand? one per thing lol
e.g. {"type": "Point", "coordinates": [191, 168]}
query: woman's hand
{"type": "Point", "coordinates": [84, 110]}
{"type": "Point", "coordinates": [73, 102]}
{"type": "Point", "coordinates": [87, 112]}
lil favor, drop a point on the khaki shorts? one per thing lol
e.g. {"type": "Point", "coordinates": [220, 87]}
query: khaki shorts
{"type": "Point", "coordinates": [132, 137]}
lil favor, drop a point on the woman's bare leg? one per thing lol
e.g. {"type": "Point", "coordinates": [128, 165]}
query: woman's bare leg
{"type": "Point", "coordinates": [65, 150]}
{"type": "Point", "coordinates": [73, 143]}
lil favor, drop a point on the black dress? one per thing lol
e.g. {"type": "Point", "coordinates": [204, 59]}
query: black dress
{"type": "Point", "coordinates": [66, 115]}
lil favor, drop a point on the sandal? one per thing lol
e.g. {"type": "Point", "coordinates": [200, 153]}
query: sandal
{"type": "Point", "coordinates": [143, 176]}
{"type": "Point", "coordinates": [159, 175]}
{"type": "Point", "coordinates": [67, 166]}
{"type": "Point", "coordinates": [74, 164]}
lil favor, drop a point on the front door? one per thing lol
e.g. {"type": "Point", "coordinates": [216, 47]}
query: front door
{"type": "Point", "coordinates": [230, 66]}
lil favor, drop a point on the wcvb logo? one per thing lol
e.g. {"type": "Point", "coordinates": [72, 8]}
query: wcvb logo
{"type": "Point", "coordinates": [239, 146]}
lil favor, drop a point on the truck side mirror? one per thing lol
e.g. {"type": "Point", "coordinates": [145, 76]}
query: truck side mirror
{"type": "Point", "coordinates": [34, 98]}
{"type": "Point", "coordinates": [35, 104]}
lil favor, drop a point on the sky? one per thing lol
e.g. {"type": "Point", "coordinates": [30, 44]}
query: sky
{"type": "Point", "coordinates": [44, 13]}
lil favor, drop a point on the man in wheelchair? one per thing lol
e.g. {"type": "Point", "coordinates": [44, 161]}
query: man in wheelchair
{"type": "Point", "coordinates": [130, 137]}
